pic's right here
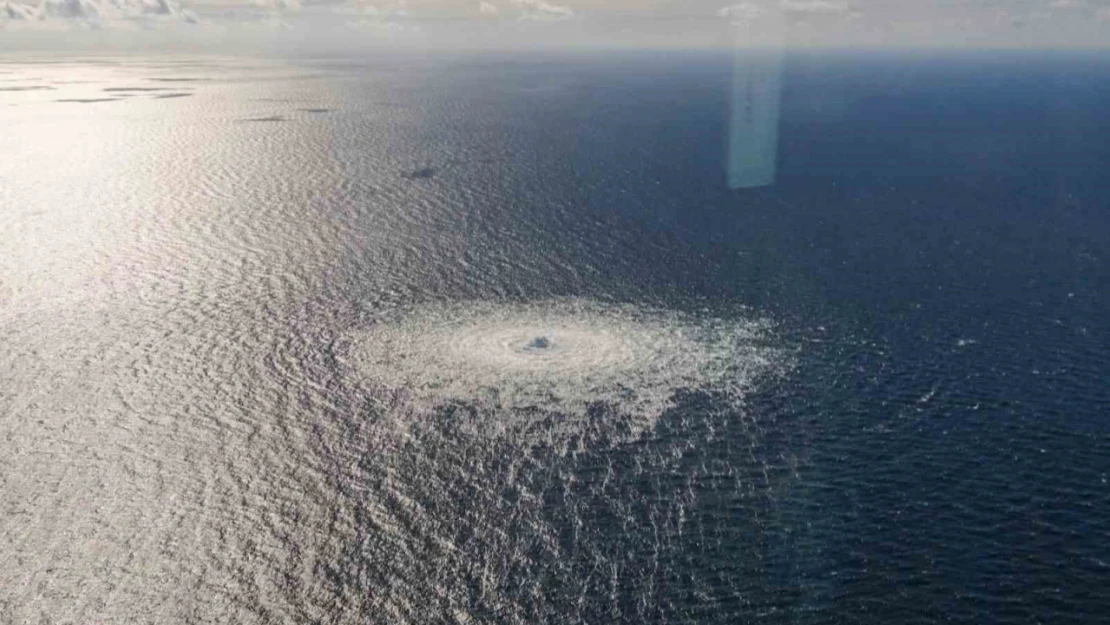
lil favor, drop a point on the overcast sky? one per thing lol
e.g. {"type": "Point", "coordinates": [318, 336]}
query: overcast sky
{"type": "Point", "coordinates": [554, 23]}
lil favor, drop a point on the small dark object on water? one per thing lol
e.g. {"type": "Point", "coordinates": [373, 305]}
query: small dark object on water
{"type": "Point", "coordinates": [423, 172]}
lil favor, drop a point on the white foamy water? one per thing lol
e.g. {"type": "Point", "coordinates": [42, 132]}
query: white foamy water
{"type": "Point", "coordinates": [513, 365]}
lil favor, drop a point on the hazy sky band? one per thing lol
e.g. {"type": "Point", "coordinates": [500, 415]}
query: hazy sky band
{"type": "Point", "coordinates": [561, 23]}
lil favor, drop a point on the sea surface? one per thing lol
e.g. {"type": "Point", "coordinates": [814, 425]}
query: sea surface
{"type": "Point", "coordinates": [486, 339]}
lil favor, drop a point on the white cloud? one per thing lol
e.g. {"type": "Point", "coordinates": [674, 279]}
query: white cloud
{"type": "Point", "coordinates": [486, 8]}
{"type": "Point", "coordinates": [367, 11]}
{"type": "Point", "coordinates": [383, 23]}
{"type": "Point", "coordinates": [750, 11]}
{"type": "Point", "coordinates": [743, 12]}
{"type": "Point", "coordinates": [19, 12]}
{"type": "Point", "coordinates": [541, 10]}
{"type": "Point", "coordinates": [382, 28]}
{"type": "Point", "coordinates": [282, 6]}
{"type": "Point", "coordinates": [96, 13]}
{"type": "Point", "coordinates": [814, 6]}
{"type": "Point", "coordinates": [363, 16]}
{"type": "Point", "coordinates": [1067, 5]}
{"type": "Point", "coordinates": [16, 12]}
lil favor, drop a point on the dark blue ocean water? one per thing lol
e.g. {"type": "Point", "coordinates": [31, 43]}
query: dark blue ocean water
{"type": "Point", "coordinates": [943, 223]}
{"type": "Point", "coordinates": [938, 236]}
{"type": "Point", "coordinates": [186, 439]}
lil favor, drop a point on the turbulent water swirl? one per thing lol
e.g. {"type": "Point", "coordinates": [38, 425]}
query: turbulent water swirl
{"type": "Point", "coordinates": [511, 365]}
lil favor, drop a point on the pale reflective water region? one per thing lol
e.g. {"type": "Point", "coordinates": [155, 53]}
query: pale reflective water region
{"type": "Point", "coordinates": [489, 339]}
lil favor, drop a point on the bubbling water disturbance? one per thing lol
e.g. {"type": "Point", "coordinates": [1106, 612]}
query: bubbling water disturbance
{"type": "Point", "coordinates": [557, 369]}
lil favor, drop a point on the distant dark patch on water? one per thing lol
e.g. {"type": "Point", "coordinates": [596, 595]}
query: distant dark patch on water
{"type": "Point", "coordinates": [315, 110]}
{"type": "Point", "coordinates": [88, 100]}
{"type": "Point", "coordinates": [166, 96]}
{"type": "Point", "coordinates": [135, 89]}
{"type": "Point", "coordinates": [418, 174]}
{"type": "Point", "coordinates": [28, 88]}
{"type": "Point", "coordinates": [270, 118]}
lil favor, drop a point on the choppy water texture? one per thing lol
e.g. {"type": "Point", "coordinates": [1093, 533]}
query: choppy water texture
{"type": "Point", "coordinates": [486, 340]}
